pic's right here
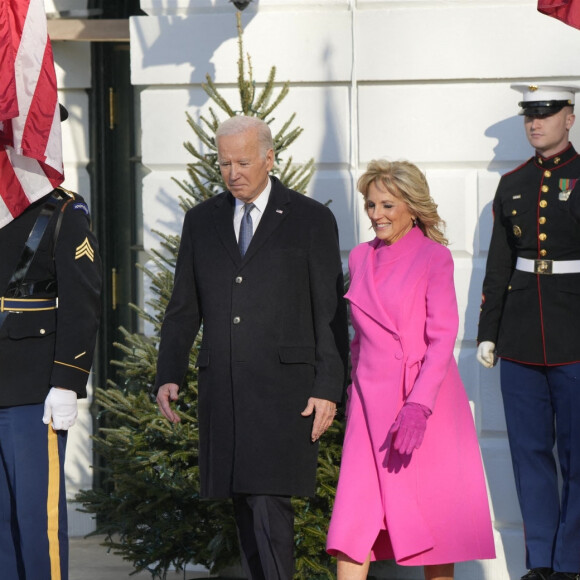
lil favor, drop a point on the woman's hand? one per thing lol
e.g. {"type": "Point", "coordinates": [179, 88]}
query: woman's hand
{"type": "Point", "coordinates": [408, 430]}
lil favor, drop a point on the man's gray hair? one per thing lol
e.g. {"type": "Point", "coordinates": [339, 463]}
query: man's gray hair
{"type": "Point", "coordinates": [241, 124]}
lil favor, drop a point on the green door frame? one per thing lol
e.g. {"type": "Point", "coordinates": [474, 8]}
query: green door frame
{"type": "Point", "coordinates": [115, 199]}
{"type": "Point", "coordinates": [113, 183]}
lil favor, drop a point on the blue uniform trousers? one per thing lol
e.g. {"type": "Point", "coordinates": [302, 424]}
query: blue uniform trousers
{"type": "Point", "coordinates": [33, 519]}
{"type": "Point", "coordinates": [542, 407]}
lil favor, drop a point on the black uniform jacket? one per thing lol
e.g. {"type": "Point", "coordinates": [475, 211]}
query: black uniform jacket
{"type": "Point", "coordinates": [535, 318]}
{"type": "Point", "coordinates": [40, 349]}
{"type": "Point", "coordinates": [274, 334]}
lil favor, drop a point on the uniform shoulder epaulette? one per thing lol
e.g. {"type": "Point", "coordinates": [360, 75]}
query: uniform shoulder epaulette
{"type": "Point", "coordinates": [67, 192]}
{"type": "Point", "coordinates": [73, 200]}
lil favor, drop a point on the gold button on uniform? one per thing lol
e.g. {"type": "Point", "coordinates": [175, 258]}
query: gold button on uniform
{"type": "Point", "coordinates": [543, 203]}
{"type": "Point", "coordinates": [543, 253]}
{"type": "Point", "coordinates": [545, 189]}
{"type": "Point", "coordinates": [556, 160]}
{"type": "Point", "coordinates": [42, 331]}
{"type": "Point", "coordinates": [542, 220]}
{"type": "Point", "coordinates": [542, 237]}
{"type": "Point", "coordinates": [547, 173]}
{"type": "Point", "coordinates": [514, 212]}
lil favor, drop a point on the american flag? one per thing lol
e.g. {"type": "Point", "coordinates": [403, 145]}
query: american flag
{"type": "Point", "coordinates": [30, 137]}
{"type": "Point", "coordinates": [568, 11]}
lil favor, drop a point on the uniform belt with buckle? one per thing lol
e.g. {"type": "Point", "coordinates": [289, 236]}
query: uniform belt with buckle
{"type": "Point", "coordinates": [27, 304]}
{"type": "Point", "coordinates": [548, 266]}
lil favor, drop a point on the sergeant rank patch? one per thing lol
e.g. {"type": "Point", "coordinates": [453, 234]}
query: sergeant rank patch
{"type": "Point", "coordinates": [85, 249]}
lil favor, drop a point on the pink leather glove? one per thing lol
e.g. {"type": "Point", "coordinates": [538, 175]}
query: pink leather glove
{"type": "Point", "coordinates": [408, 430]}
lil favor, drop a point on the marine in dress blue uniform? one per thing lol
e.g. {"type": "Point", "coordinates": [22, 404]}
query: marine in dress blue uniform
{"type": "Point", "coordinates": [530, 319]}
{"type": "Point", "coordinates": [49, 309]}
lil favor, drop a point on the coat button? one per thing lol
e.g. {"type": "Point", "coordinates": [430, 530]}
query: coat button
{"type": "Point", "coordinates": [543, 253]}
{"type": "Point", "coordinates": [542, 220]}
{"type": "Point", "coordinates": [239, 279]}
{"type": "Point", "coordinates": [547, 173]}
{"type": "Point", "coordinates": [237, 320]}
{"type": "Point", "coordinates": [42, 331]}
{"type": "Point", "coordinates": [543, 203]}
{"type": "Point", "coordinates": [545, 189]}
{"type": "Point", "coordinates": [542, 237]}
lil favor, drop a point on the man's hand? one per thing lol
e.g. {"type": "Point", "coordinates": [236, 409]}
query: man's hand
{"type": "Point", "coordinates": [486, 354]}
{"type": "Point", "coordinates": [324, 412]}
{"type": "Point", "coordinates": [60, 406]}
{"type": "Point", "coordinates": [167, 393]}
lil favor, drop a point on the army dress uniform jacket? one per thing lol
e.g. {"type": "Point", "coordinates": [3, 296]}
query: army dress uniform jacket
{"type": "Point", "coordinates": [274, 334]}
{"type": "Point", "coordinates": [40, 349]}
{"type": "Point", "coordinates": [534, 318]}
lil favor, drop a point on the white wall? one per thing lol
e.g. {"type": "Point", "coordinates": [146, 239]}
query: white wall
{"type": "Point", "coordinates": [425, 80]}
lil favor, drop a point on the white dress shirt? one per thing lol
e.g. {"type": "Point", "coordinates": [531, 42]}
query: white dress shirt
{"type": "Point", "coordinates": [260, 202]}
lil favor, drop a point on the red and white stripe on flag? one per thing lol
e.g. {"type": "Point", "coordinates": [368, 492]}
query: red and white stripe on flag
{"type": "Point", "coordinates": [30, 135]}
{"type": "Point", "coordinates": [568, 11]}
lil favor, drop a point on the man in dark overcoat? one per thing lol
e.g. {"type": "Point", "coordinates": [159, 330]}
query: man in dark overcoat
{"type": "Point", "coordinates": [259, 265]}
{"type": "Point", "coordinates": [50, 279]}
{"type": "Point", "coordinates": [530, 318]}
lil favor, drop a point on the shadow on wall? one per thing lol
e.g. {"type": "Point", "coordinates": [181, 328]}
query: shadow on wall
{"type": "Point", "coordinates": [510, 151]}
{"type": "Point", "coordinates": [166, 50]}
{"type": "Point", "coordinates": [512, 147]}
{"type": "Point", "coordinates": [332, 180]}
{"type": "Point", "coordinates": [72, 8]}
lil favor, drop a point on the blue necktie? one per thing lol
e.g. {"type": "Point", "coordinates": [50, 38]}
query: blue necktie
{"type": "Point", "coordinates": [246, 229]}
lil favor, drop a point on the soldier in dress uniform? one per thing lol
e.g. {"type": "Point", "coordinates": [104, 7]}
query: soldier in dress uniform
{"type": "Point", "coordinates": [50, 279]}
{"type": "Point", "coordinates": [530, 319]}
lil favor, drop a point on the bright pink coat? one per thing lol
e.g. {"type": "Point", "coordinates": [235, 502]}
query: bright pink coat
{"type": "Point", "coordinates": [430, 507]}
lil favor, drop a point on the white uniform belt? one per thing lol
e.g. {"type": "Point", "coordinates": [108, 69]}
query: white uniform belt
{"type": "Point", "coordinates": [548, 266]}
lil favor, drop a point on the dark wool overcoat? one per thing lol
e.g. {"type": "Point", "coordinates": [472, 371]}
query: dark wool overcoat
{"type": "Point", "coordinates": [46, 348]}
{"type": "Point", "coordinates": [274, 334]}
{"type": "Point", "coordinates": [535, 318]}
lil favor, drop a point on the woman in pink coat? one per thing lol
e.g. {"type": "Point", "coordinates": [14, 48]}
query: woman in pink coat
{"type": "Point", "coordinates": [411, 483]}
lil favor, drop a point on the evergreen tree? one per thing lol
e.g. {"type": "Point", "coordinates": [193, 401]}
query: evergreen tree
{"type": "Point", "coordinates": [150, 509]}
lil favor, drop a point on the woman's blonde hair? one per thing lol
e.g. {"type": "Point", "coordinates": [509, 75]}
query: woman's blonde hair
{"type": "Point", "coordinates": [407, 182]}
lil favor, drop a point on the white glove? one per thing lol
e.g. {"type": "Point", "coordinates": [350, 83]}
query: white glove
{"type": "Point", "coordinates": [60, 406]}
{"type": "Point", "coordinates": [486, 354]}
